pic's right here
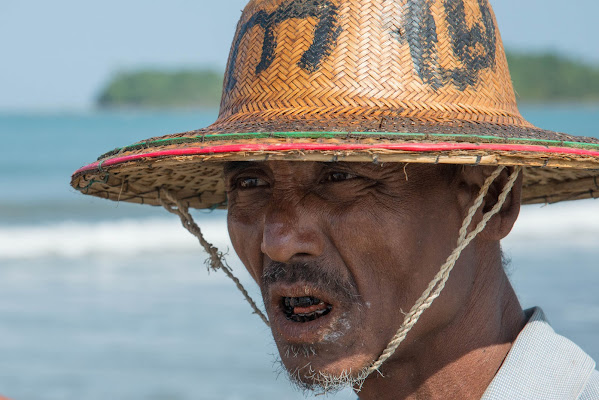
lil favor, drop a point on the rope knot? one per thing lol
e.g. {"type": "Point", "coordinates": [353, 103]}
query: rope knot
{"type": "Point", "coordinates": [217, 260]}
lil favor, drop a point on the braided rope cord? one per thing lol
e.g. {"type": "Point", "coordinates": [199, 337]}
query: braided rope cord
{"type": "Point", "coordinates": [217, 259]}
{"type": "Point", "coordinates": [438, 283]}
{"type": "Point", "coordinates": [433, 290]}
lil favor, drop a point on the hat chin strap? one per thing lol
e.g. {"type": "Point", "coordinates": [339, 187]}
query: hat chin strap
{"type": "Point", "coordinates": [438, 283]}
{"type": "Point", "coordinates": [217, 261]}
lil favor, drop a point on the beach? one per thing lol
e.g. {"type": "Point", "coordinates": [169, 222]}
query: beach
{"type": "Point", "coordinates": [110, 300]}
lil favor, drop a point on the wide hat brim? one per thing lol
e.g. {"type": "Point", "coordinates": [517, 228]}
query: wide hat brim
{"type": "Point", "coordinates": [362, 81]}
{"type": "Point", "coordinates": [558, 167]}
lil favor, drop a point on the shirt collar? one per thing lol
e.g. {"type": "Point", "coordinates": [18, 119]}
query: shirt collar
{"type": "Point", "coordinates": [541, 365]}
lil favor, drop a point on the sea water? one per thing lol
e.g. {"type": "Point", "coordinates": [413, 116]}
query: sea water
{"type": "Point", "coordinates": [100, 300]}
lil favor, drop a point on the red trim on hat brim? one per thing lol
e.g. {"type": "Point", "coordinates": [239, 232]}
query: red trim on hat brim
{"type": "Point", "coordinates": [413, 147]}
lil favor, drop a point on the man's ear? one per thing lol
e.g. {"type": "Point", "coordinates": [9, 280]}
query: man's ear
{"type": "Point", "coordinates": [502, 223]}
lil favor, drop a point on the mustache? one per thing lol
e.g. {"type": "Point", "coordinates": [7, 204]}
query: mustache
{"type": "Point", "coordinates": [312, 272]}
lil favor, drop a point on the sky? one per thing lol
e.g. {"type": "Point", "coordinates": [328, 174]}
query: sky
{"type": "Point", "coordinates": [58, 54]}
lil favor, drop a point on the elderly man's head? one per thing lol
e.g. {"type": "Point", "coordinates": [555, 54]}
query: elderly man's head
{"type": "Point", "coordinates": [342, 250]}
{"type": "Point", "coordinates": [349, 255]}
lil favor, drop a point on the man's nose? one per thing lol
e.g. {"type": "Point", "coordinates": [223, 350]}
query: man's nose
{"type": "Point", "coordinates": [291, 234]}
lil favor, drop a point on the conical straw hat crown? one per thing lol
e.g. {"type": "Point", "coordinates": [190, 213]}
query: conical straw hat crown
{"type": "Point", "coordinates": [415, 81]}
{"type": "Point", "coordinates": [433, 61]}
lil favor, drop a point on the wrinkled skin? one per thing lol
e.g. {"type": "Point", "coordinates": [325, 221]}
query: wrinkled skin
{"type": "Point", "coordinates": [378, 233]}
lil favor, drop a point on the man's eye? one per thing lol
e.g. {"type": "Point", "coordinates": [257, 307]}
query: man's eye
{"type": "Point", "coordinates": [339, 177]}
{"type": "Point", "coordinates": [249, 183]}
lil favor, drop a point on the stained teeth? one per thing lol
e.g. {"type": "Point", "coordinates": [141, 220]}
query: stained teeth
{"type": "Point", "coordinates": [290, 303]}
{"type": "Point", "coordinates": [302, 301]}
{"type": "Point", "coordinates": [305, 301]}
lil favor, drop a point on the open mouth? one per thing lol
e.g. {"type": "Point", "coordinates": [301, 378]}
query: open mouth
{"type": "Point", "coordinates": [304, 309]}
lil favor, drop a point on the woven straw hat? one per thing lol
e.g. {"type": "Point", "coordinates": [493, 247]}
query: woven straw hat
{"type": "Point", "coordinates": [416, 81]}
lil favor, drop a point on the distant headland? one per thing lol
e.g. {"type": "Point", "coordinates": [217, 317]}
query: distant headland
{"type": "Point", "coordinates": [199, 88]}
{"type": "Point", "coordinates": [538, 78]}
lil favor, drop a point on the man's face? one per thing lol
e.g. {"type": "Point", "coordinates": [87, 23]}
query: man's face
{"type": "Point", "coordinates": [341, 250]}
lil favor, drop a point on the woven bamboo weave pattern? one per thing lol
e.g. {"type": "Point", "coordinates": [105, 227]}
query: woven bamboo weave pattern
{"type": "Point", "coordinates": [371, 68]}
{"type": "Point", "coordinates": [414, 81]}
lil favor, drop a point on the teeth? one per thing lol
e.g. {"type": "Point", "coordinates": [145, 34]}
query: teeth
{"type": "Point", "coordinates": [290, 303]}
{"type": "Point", "coordinates": [306, 301]}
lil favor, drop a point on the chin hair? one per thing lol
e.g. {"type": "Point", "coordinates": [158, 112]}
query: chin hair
{"type": "Point", "coordinates": [309, 380]}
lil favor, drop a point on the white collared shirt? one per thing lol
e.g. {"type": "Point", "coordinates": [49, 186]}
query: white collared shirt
{"type": "Point", "coordinates": [544, 365]}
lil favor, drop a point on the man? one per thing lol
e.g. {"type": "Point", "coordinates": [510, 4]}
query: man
{"type": "Point", "coordinates": [371, 156]}
{"type": "Point", "coordinates": [294, 226]}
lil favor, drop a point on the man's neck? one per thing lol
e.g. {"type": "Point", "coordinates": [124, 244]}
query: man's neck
{"type": "Point", "coordinates": [456, 363]}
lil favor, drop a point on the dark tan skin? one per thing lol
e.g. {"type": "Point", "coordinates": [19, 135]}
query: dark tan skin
{"type": "Point", "coordinates": [388, 229]}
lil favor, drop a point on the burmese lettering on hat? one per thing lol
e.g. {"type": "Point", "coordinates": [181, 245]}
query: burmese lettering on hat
{"type": "Point", "coordinates": [417, 81]}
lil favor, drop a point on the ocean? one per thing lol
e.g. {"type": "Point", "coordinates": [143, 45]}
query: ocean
{"type": "Point", "coordinates": [100, 300]}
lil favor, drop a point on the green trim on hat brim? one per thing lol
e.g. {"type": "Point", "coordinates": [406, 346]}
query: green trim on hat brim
{"type": "Point", "coordinates": [331, 135]}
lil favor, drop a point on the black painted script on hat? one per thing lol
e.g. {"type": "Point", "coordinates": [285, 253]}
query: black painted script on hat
{"type": "Point", "coordinates": [325, 35]}
{"type": "Point", "coordinates": [475, 46]}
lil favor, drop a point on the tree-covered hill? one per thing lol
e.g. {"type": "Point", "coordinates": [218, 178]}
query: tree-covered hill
{"type": "Point", "coordinates": [158, 89]}
{"type": "Point", "coordinates": [537, 78]}
{"type": "Point", "coordinates": [552, 78]}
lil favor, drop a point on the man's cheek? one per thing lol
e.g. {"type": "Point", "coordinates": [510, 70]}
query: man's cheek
{"type": "Point", "coordinates": [250, 261]}
{"type": "Point", "coordinates": [247, 248]}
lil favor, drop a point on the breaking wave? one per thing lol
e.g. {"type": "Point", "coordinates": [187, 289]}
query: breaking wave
{"type": "Point", "coordinates": [120, 238]}
{"type": "Point", "coordinates": [569, 225]}
{"type": "Point", "coordinates": [573, 225]}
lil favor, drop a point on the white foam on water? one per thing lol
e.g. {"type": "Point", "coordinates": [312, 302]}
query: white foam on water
{"type": "Point", "coordinates": [121, 238]}
{"type": "Point", "coordinates": [572, 225]}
